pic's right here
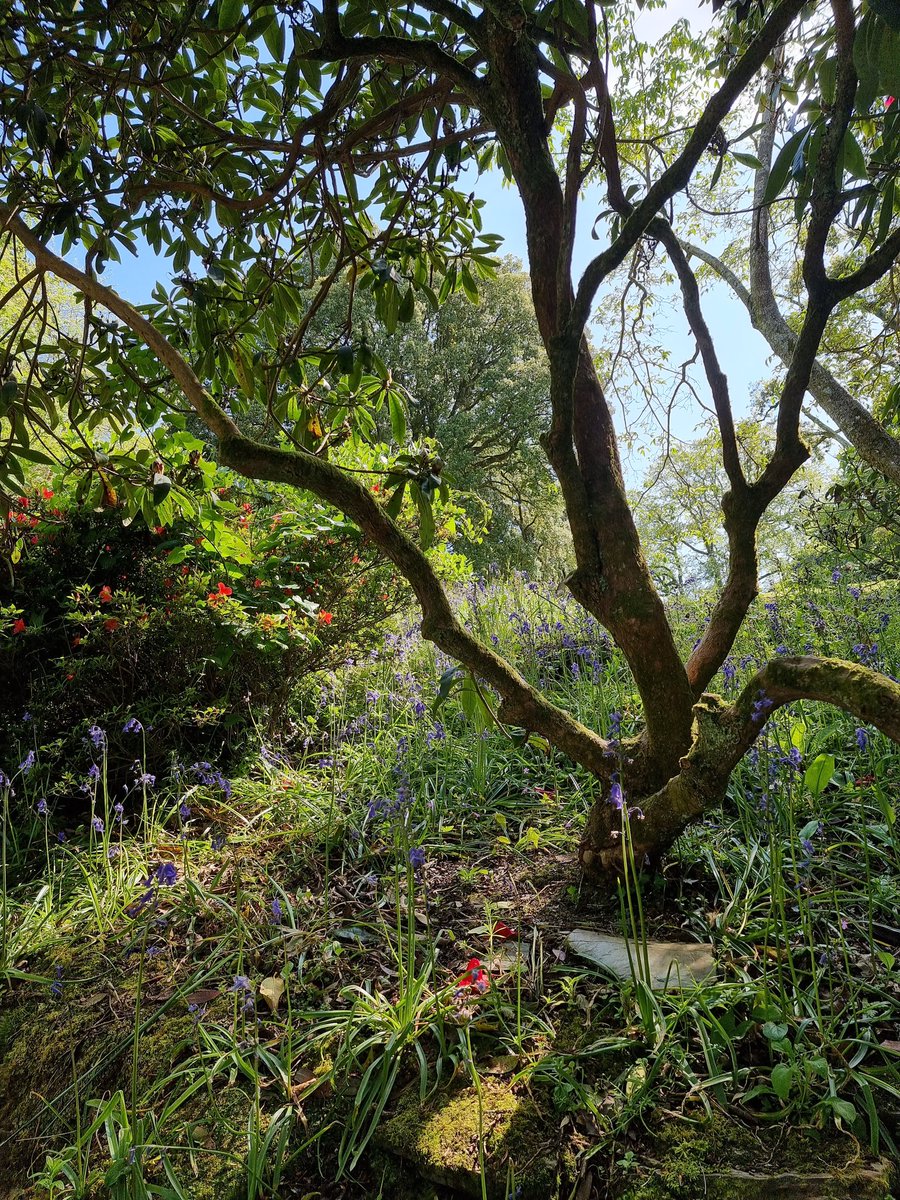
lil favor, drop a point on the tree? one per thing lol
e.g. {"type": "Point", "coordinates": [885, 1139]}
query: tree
{"type": "Point", "coordinates": [476, 383]}
{"type": "Point", "coordinates": [286, 145]}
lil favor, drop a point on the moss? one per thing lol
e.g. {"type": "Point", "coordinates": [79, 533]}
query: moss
{"type": "Point", "coordinates": [442, 1141]}
{"type": "Point", "coordinates": [723, 1161]}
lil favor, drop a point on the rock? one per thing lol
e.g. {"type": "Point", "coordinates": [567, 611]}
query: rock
{"type": "Point", "coordinates": [440, 1141]}
{"type": "Point", "coordinates": [865, 1182]}
{"type": "Point", "coordinates": [672, 964]}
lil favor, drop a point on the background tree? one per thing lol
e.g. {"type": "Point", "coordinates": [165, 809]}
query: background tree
{"type": "Point", "coordinates": [270, 147]}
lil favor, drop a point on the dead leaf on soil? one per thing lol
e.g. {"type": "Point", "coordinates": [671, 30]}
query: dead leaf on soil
{"type": "Point", "coordinates": [271, 990]}
{"type": "Point", "coordinates": [202, 996]}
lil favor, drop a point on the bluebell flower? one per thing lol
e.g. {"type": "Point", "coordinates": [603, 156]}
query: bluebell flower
{"type": "Point", "coordinates": [276, 911]}
{"type": "Point", "coordinates": [42, 808]}
{"type": "Point", "coordinates": [56, 986]}
{"type": "Point", "coordinates": [417, 858]}
{"type": "Point", "coordinates": [27, 762]}
{"type": "Point", "coordinates": [132, 725]}
{"type": "Point", "coordinates": [836, 575]}
{"type": "Point", "coordinates": [862, 738]}
{"type": "Point", "coordinates": [616, 796]}
{"type": "Point", "coordinates": [97, 824]}
{"type": "Point", "coordinates": [119, 810]}
{"type": "Point", "coordinates": [93, 771]}
{"type": "Point", "coordinates": [435, 735]}
{"type": "Point", "coordinates": [761, 705]}
{"type": "Point", "coordinates": [855, 592]}
{"type": "Point", "coordinates": [184, 811]}
{"type": "Point", "coordinates": [97, 736]}
{"type": "Point", "coordinates": [165, 874]}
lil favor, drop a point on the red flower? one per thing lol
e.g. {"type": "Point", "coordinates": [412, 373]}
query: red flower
{"type": "Point", "coordinates": [111, 624]}
{"type": "Point", "coordinates": [159, 530]}
{"type": "Point", "coordinates": [23, 502]}
{"type": "Point", "coordinates": [105, 594]}
{"type": "Point", "coordinates": [326, 618]}
{"type": "Point", "coordinates": [258, 583]}
{"type": "Point", "coordinates": [76, 641]}
{"type": "Point", "coordinates": [474, 979]}
{"type": "Point", "coordinates": [19, 626]}
{"type": "Point", "coordinates": [48, 493]}
{"type": "Point", "coordinates": [224, 590]}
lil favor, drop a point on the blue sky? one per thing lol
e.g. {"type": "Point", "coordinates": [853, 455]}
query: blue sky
{"type": "Point", "coordinates": [744, 354]}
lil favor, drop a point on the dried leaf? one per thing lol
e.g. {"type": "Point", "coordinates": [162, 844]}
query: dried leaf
{"type": "Point", "coordinates": [202, 996]}
{"type": "Point", "coordinates": [271, 990]}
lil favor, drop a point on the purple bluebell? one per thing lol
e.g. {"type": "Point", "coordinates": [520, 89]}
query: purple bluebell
{"type": "Point", "coordinates": [132, 725]}
{"type": "Point", "coordinates": [97, 824]}
{"type": "Point", "coordinates": [42, 808]}
{"type": "Point", "coordinates": [97, 736]}
{"type": "Point", "coordinates": [417, 858]}
{"type": "Point", "coordinates": [27, 762]}
{"type": "Point", "coordinates": [862, 738]}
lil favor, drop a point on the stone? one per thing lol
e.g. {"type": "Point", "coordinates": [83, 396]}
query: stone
{"type": "Point", "coordinates": [672, 964]}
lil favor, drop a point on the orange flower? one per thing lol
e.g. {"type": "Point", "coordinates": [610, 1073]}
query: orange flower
{"type": "Point", "coordinates": [111, 624]}
{"type": "Point", "coordinates": [19, 626]}
{"type": "Point", "coordinates": [48, 493]}
{"type": "Point", "coordinates": [224, 589]}
{"type": "Point", "coordinates": [105, 594]}
{"type": "Point", "coordinates": [326, 618]}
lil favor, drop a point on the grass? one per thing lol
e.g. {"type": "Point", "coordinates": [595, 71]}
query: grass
{"type": "Point", "coordinates": [229, 989]}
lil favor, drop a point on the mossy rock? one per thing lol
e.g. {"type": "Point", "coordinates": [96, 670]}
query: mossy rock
{"type": "Point", "coordinates": [721, 1160]}
{"type": "Point", "coordinates": [441, 1142]}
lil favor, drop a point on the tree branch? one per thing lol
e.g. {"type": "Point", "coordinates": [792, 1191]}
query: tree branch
{"type": "Point", "coordinates": [520, 703]}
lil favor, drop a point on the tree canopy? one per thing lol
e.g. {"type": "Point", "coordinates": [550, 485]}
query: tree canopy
{"type": "Point", "coordinates": [276, 152]}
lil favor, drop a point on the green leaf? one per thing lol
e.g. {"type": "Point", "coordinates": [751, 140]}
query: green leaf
{"type": "Point", "coordinates": [782, 1078]}
{"type": "Point", "coordinates": [407, 307]}
{"type": "Point", "coordinates": [426, 517]}
{"type": "Point", "coordinates": [854, 159]}
{"type": "Point", "coordinates": [162, 485]}
{"type": "Point", "coordinates": [781, 168]}
{"type": "Point", "coordinates": [393, 506]}
{"type": "Point", "coordinates": [818, 773]}
{"type": "Point", "coordinates": [748, 160]}
{"type": "Point", "coordinates": [843, 1109]}
{"type": "Point", "coordinates": [230, 13]}
{"type": "Point", "coordinates": [888, 10]}
{"type": "Point", "coordinates": [398, 418]}
{"type": "Point", "coordinates": [773, 1032]}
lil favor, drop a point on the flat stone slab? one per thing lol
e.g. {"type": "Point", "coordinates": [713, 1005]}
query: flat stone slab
{"type": "Point", "coordinates": [672, 964]}
{"type": "Point", "coordinates": [864, 1182]}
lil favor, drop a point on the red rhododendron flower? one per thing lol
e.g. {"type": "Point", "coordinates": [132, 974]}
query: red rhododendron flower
{"type": "Point", "coordinates": [48, 493]}
{"type": "Point", "coordinates": [105, 594]}
{"type": "Point", "coordinates": [111, 624]}
{"type": "Point", "coordinates": [224, 590]}
{"type": "Point", "coordinates": [474, 979]}
{"type": "Point", "coordinates": [19, 626]}
{"type": "Point", "coordinates": [159, 530]}
{"type": "Point", "coordinates": [326, 617]}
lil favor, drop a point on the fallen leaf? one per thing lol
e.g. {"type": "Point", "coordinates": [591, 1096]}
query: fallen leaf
{"type": "Point", "coordinates": [894, 1047]}
{"type": "Point", "coordinates": [271, 990]}
{"type": "Point", "coordinates": [202, 996]}
{"type": "Point", "coordinates": [502, 930]}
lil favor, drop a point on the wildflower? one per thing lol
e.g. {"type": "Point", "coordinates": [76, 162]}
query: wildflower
{"type": "Point", "coordinates": [132, 725]}
{"type": "Point", "coordinates": [435, 735]}
{"type": "Point", "coordinates": [27, 763]}
{"type": "Point", "coordinates": [276, 911]}
{"type": "Point", "coordinates": [184, 811]}
{"type": "Point", "coordinates": [42, 809]}
{"type": "Point", "coordinates": [97, 736]}
{"type": "Point", "coordinates": [165, 874]}
{"type": "Point", "coordinates": [417, 858]}
{"type": "Point", "coordinates": [855, 592]}
{"type": "Point", "coordinates": [616, 796]}
{"type": "Point", "coordinates": [836, 575]}
{"type": "Point", "coordinates": [325, 618]}
{"type": "Point", "coordinates": [106, 594]}
{"type": "Point", "coordinates": [97, 824]}
{"type": "Point", "coordinates": [474, 979]}
{"type": "Point", "coordinates": [18, 626]}
{"type": "Point", "coordinates": [862, 738]}
{"type": "Point", "coordinates": [119, 810]}
{"type": "Point", "coordinates": [761, 705]}
{"type": "Point", "coordinates": [93, 771]}
{"type": "Point", "coordinates": [419, 709]}
{"type": "Point", "coordinates": [217, 842]}
{"type": "Point", "coordinates": [47, 493]}
{"type": "Point", "coordinates": [111, 624]}
{"type": "Point", "coordinates": [56, 986]}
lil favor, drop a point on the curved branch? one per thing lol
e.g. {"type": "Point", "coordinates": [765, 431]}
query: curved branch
{"type": "Point", "coordinates": [521, 704]}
